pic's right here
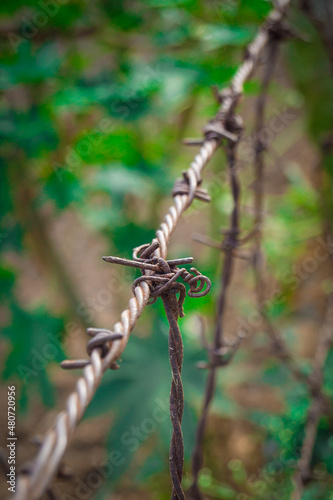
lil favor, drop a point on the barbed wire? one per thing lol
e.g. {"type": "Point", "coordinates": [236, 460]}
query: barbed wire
{"type": "Point", "coordinates": [220, 353]}
{"type": "Point", "coordinates": [107, 346]}
{"type": "Point", "coordinates": [320, 403]}
{"type": "Point", "coordinates": [163, 283]}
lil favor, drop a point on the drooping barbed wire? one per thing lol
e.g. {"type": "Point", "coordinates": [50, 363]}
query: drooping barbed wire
{"type": "Point", "coordinates": [110, 344]}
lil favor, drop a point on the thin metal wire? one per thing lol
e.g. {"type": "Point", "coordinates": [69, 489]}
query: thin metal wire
{"type": "Point", "coordinates": [31, 486]}
{"type": "Point", "coordinates": [219, 355]}
{"type": "Point", "coordinates": [217, 351]}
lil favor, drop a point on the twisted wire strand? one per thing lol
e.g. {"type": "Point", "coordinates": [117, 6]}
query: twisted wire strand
{"type": "Point", "coordinates": [31, 486]}
{"type": "Point", "coordinates": [176, 458]}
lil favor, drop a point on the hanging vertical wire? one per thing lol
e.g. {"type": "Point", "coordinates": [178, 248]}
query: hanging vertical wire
{"type": "Point", "coordinates": [215, 353]}
{"type": "Point", "coordinates": [176, 457]}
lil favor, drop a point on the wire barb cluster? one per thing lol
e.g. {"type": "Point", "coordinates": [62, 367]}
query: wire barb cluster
{"type": "Point", "coordinates": [161, 276]}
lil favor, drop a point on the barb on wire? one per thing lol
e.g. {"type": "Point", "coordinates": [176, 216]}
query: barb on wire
{"type": "Point", "coordinates": [102, 339]}
{"type": "Point", "coordinates": [303, 472]}
{"type": "Point", "coordinates": [163, 283]}
{"type": "Point", "coordinates": [161, 276]}
{"type": "Point", "coordinates": [109, 347]}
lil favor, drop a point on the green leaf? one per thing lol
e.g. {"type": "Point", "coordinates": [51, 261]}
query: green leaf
{"type": "Point", "coordinates": [63, 188]}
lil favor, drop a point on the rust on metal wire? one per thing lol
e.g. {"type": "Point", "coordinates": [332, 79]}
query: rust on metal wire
{"type": "Point", "coordinates": [110, 344]}
{"type": "Point", "coordinates": [161, 276]}
{"type": "Point", "coordinates": [164, 283]}
{"type": "Point", "coordinates": [229, 126]}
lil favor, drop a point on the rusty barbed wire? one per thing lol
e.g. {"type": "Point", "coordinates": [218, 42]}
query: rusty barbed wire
{"type": "Point", "coordinates": [110, 344]}
{"type": "Point", "coordinates": [161, 276]}
{"type": "Point", "coordinates": [176, 457]}
{"type": "Point", "coordinates": [220, 354]}
{"type": "Point", "coordinates": [218, 351]}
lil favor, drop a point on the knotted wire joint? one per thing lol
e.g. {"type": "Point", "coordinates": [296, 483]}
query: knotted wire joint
{"type": "Point", "coordinates": [162, 275]}
{"type": "Point", "coordinates": [165, 281]}
{"type": "Point", "coordinates": [225, 125]}
{"type": "Point", "coordinates": [102, 340]}
{"type": "Point", "coordinates": [182, 186]}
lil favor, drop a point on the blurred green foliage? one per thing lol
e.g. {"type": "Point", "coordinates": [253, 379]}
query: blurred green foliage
{"type": "Point", "coordinates": [96, 99]}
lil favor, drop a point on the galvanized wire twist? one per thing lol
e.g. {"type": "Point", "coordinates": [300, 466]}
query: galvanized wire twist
{"type": "Point", "coordinates": [31, 486]}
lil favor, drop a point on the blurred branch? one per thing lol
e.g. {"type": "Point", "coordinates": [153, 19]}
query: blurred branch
{"type": "Point", "coordinates": [303, 473]}
{"type": "Point", "coordinates": [303, 469]}
{"type": "Point", "coordinates": [258, 260]}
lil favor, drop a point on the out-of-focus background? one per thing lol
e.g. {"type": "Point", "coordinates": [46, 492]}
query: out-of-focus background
{"type": "Point", "coordinates": [96, 99]}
